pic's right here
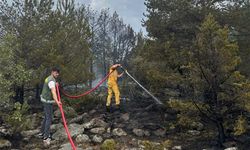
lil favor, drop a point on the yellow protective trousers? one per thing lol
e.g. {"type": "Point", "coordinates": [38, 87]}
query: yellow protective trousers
{"type": "Point", "coordinates": [113, 87]}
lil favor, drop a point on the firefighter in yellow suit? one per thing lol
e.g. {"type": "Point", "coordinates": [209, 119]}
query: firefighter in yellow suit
{"type": "Point", "coordinates": [113, 87]}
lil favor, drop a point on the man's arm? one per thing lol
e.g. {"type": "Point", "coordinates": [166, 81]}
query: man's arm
{"type": "Point", "coordinates": [54, 95]}
{"type": "Point", "coordinates": [120, 75]}
{"type": "Point", "coordinates": [115, 66]}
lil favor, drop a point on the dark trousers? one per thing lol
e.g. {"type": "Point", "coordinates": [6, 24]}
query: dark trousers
{"type": "Point", "coordinates": [48, 112]}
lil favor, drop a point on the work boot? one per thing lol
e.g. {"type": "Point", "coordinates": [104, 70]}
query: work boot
{"type": "Point", "coordinates": [40, 135]}
{"type": "Point", "coordinates": [51, 138]}
{"type": "Point", "coordinates": [117, 108]}
{"type": "Point", "coordinates": [108, 109]}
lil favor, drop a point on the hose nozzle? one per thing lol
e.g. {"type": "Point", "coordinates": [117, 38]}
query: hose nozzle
{"type": "Point", "coordinates": [123, 69]}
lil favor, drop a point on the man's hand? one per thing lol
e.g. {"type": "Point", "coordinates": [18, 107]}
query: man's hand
{"type": "Point", "coordinates": [115, 66]}
{"type": "Point", "coordinates": [120, 75]}
{"type": "Point", "coordinates": [53, 91]}
{"type": "Point", "coordinates": [59, 103]}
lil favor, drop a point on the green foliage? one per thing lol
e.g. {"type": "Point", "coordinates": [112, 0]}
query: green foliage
{"type": "Point", "coordinates": [108, 144]}
{"type": "Point", "coordinates": [148, 145]}
{"type": "Point", "coordinates": [172, 27]}
{"type": "Point", "coordinates": [179, 19]}
{"type": "Point", "coordinates": [46, 37]}
{"type": "Point", "coordinates": [157, 66]}
{"type": "Point", "coordinates": [198, 55]}
{"type": "Point", "coordinates": [12, 72]}
{"type": "Point", "coordinates": [217, 59]}
{"type": "Point", "coordinates": [18, 119]}
{"type": "Point", "coordinates": [206, 70]}
{"type": "Point", "coordinates": [240, 126]}
{"type": "Point", "coordinates": [180, 105]}
{"type": "Point", "coordinates": [85, 103]}
{"type": "Point", "coordinates": [70, 112]}
{"type": "Point", "coordinates": [112, 40]}
{"type": "Point", "coordinates": [151, 146]}
{"type": "Point", "coordinates": [239, 21]}
{"type": "Point", "coordinates": [221, 88]}
{"type": "Point", "coordinates": [167, 144]}
{"type": "Point", "coordinates": [187, 113]}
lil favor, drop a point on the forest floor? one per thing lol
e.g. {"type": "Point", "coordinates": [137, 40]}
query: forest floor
{"type": "Point", "coordinates": [139, 125]}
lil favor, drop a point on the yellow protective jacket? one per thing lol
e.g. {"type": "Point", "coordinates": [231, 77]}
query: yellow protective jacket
{"type": "Point", "coordinates": [113, 87]}
{"type": "Point", "coordinates": [113, 76]}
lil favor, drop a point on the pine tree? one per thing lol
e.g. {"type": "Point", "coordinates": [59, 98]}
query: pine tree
{"type": "Point", "coordinates": [218, 86]}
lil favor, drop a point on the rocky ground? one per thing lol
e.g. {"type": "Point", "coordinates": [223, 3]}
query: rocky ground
{"type": "Point", "coordinates": [138, 126]}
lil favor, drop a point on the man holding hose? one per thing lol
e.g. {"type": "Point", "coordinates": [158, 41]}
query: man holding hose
{"type": "Point", "coordinates": [113, 87]}
{"type": "Point", "coordinates": [48, 97]}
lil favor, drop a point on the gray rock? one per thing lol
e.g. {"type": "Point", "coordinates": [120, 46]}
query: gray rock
{"type": "Point", "coordinates": [78, 118]}
{"type": "Point", "coordinates": [134, 142]}
{"type": "Point", "coordinates": [88, 125]}
{"type": "Point", "coordinates": [125, 117]}
{"type": "Point", "coordinates": [176, 148]}
{"type": "Point", "coordinates": [160, 132]}
{"type": "Point", "coordinates": [5, 132]}
{"type": "Point", "coordinates": [119, 125]}
{"type": "Point", "coordinates": [67, 146]}
{"type": "Point", "coordinates": [119, 132]}
{"type": "Point", "coordinates": [146, 133]}
{"type": "Point", "coordinates": [140, 132]}
{"type": "Point", "coordinates": [97, 139]}
{"type": "Point", "coordinates": [74, 129]}
{"type": "Point", "coordinates": [99, 123]}
{"type": "Point", "coordinates": [231, 148]}
{"type": "Point", "coordinates": [229, 144]}
{"type": "Point", "coordinates": [55, 127]}
{"type": "Point", "coordinates": [99, 130]}
{"type": "Point", "coordinates": [92, 112]}
{"type": "Point", "coordinates": [125, 148]}
{"type": "Point", "coordinates": [96, 122]}
{"type": "Point", "coordinates": [68, 111]}
{"type": "Point", "coordinates": [89, 148]}
{"type": "Point", "coordinates": [142, 145]}
{"type": "Point", "coordinates": [82, 138]}
{"type": "Point", "coordinates": [30, 132]}
{"type": "Point", "coordinates": [152, 126]}
{"type": "Point", "coordinates": [194, 132]}
{"type": "Point", "coordinates": [26, 139]}
{"type": "Point", "coordinates": [106, 135]}
{"type": "Point", "coordinates": [109, 130]}
{"type": "Point", "coordinates": [133, 124]}
{"type": "Point", "coordinates": [57, 113]}
{"type": "Point", "coordinates": [5, 144]}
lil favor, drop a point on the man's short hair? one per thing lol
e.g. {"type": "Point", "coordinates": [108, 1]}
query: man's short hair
{"type": "Point", "coordinates": [55, 69]}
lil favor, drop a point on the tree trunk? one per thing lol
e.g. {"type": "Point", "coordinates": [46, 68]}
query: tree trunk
{"type": "Point", "coordinates": [221, 133]}
{"type": "Point", "coordinates": [37, 91]}
{"type": "Point", "coordinates": [22, 94]}
{"type": "Point", "coordinates": [91, 71]}
{"type": "Point", "coordinates": [104, 63]}
{"type": "Point", "coordinates": [76, 88]}
{"type": "Point", "coordinates": [19, 90]}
